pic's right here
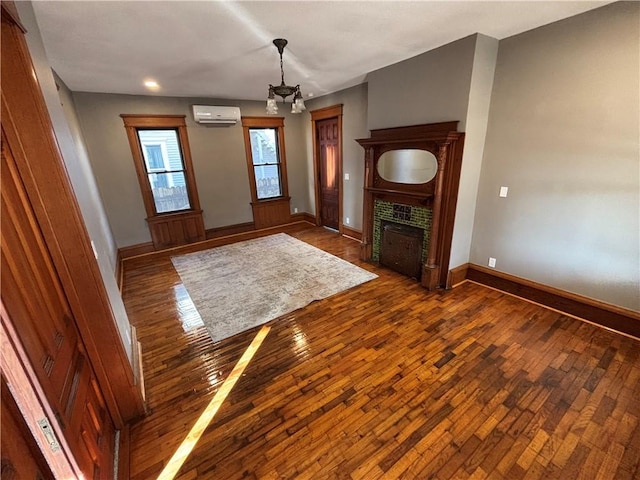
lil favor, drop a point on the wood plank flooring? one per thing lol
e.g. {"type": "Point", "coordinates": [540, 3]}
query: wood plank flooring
{"type": "Point", "coordinates": [386, 381]}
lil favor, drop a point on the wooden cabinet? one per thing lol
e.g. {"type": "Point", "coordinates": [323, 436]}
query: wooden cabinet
{"type": "Point", "coordinates": [269, 213]}
{"type": "Point", "coordinates": [172, 230]}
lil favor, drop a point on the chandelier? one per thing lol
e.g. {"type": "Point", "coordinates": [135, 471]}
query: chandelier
{"type": "Point", "coordinates": [283, 90]}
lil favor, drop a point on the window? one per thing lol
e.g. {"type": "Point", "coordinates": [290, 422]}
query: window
{"type": "Point", "coordinates": [264, 145]}
{"type": "Point", "coordinates": [160, 151]}
{"type": "Point", "coordinates": [165, 169]}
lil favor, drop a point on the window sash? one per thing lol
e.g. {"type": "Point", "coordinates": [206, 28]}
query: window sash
{"type": "Point", "coordinates": [267, 166]}
{"type": "Point", "coordinates": [167, 184]}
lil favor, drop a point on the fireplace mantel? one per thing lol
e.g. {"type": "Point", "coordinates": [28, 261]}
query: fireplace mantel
{"type": "Point", "coordinates": [439, 194]}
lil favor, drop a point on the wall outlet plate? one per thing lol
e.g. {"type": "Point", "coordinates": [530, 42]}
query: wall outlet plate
{"type": "Point", "coordinates": [504, 191]}
{"type": "Point", "coordinates": [492, 262]}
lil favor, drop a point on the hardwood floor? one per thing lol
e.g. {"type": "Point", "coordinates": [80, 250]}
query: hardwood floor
{"type": "Point", "coordinates": [386, 381]}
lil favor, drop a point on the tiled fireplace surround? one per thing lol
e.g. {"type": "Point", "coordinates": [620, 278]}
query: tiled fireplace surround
{"type": "Point", "coordinates": [412, 215]}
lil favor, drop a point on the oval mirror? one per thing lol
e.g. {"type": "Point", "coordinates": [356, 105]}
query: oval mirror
{"type": "Point", "coordinates": [408, 165]}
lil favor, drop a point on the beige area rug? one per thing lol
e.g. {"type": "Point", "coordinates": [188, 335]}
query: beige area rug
{"type": "Point", "coordinates": [242, 285]}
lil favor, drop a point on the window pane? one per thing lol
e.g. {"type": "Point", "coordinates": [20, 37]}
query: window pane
{"type": "Point", "coordinates": [169, 192]}
{"type": "Point", "coordinates": [267, 181]}
{"type": "Point", "coordinates": [161, 150]}
{"type": "Point", "coordinates": [264, 148]}
{"type": "Point", "coordinates": [154, 157]}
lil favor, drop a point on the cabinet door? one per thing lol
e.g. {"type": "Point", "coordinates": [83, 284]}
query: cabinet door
{"type": "Point", "coordinates": [39, 311]}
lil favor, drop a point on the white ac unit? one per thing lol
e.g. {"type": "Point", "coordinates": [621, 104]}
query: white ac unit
{"type": "Point", "coordinates": [212, 115]}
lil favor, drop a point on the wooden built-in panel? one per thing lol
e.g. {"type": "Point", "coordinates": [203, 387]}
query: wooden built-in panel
{"type": "Point", "coordinates": [171, 230]}
{"type": "Point", "coordinates": [269, 213]}
{"type": "Point", "coordinates": [39, 311]}
{"type": "Point", "coordinates": [66, 349]}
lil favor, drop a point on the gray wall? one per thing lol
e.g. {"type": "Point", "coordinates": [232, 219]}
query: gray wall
{"type": "Point", "coordinates": [354, 126]}
{"type": "Point", "coordinates": [484, 64]}
{"type": "Point", "coordinates": [432, 87]}
{"type": "Point", "coordinates": [218, 156]}
{"type": "Point", "coordinates": [452, 82]}
{"type": "Point", "coordinates": [563, 136]}
{"type": "Point", "coordinates": [70, 141]}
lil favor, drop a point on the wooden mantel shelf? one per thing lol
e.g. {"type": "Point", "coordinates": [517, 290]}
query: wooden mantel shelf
{"type": "Point", "coordinates": [386, 191]}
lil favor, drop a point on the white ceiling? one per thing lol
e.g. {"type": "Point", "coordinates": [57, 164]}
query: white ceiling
{"type": "Point", "coordinates": [223, 49]}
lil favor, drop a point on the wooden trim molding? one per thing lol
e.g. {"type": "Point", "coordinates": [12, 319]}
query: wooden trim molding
{"type": "Point", "coordinates": [352, 233]}
{"type": "Point", "coordinates": [326, 112]}
{"type": "Point", "coordinates": [137, 363]}
{"type": "Point", "coordinates": [132, 123]}
{"type": "Point", "coordinates": [303, 217]}
{"type": "Point", "coordinates": [241, 231]}
{"type": "Point", "coordinates": [10, 11]}
{"type": "Point", "coordinates": [128, 252]}
{"type": "Point", "coordinates": [135, 250]}
{"type": "Point", "coordinates": [457, 275]}
{"type": "Point", "coordinates": [334, 111]}
{"type": "Point", "coordinates": [616, 318]}
{"type": "Point", "coordinates": [294, 226]}
{"type": "Point", "coordinates": [265, 122]}
{"type": "Point", "coordinates": [124, 453]}
{"type": "Point", "coordinates": [230, 230]}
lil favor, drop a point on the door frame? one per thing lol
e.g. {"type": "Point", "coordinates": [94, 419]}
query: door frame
{"type": "Point", "coordinates": [32, 402]}
{"type": "Point", "coordinates": [334, 111]}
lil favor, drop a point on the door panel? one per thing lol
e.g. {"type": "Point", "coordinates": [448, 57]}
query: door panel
{"type": "Point", "coordinates": [21, 458]}
{"type": "Point", "coordinates": [328, 143]}
{"type": "Point", "coordinates": [40, 313]}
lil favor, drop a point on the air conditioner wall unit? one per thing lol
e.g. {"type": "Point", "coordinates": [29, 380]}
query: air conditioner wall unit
{"type": "Point", "coordinates": [216, 115]}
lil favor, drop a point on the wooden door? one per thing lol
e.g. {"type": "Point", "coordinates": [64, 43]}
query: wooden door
{"type": "Point", "coordinates": [39, 311]}
{"type": "Point", "coordinates": [21, 458]}
{"type": "Point", "coordinates": [328, 172]}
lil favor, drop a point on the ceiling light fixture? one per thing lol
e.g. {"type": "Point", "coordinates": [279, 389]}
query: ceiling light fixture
{"type": "Point", "coordinates": [283, 90]}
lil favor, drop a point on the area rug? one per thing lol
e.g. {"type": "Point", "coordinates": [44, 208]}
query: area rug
{"type": "Point", "coordinates": [242, 285]}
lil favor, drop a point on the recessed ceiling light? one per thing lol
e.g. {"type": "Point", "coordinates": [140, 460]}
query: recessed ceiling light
{"type": "Point", "coordinates": [152, 84]}
{"type": "Point", "coordinates": [310, 94]}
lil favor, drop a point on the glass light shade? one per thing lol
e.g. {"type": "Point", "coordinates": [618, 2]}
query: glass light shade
{"type": "Point", "coordinates": [300, 103]}
{"type": "Point", "coordinates": [294, 108]}
{"type": "Point", "coordinates": [272, 107]}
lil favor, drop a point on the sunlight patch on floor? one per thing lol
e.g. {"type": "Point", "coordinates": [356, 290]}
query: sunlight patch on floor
{"type": "Point", "coordinates": [188, 444]}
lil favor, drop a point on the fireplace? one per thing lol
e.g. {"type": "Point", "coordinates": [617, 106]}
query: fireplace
{"type": "Point", "coordinates": [401, 248]}
{"type": "Point", "coordinates": [412, 172]}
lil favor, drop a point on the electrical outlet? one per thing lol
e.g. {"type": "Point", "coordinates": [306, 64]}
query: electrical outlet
{"type": "Point", "coordinates": [346, 176]}
{"type": "Point", "coordinates": [492, 262]}
{"type": "Point", "coordinates": [295, 210]}
{"type": "Point", "coordinates": [346, 220]}
{"type": "Point", "coordinates": [504, 191]}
